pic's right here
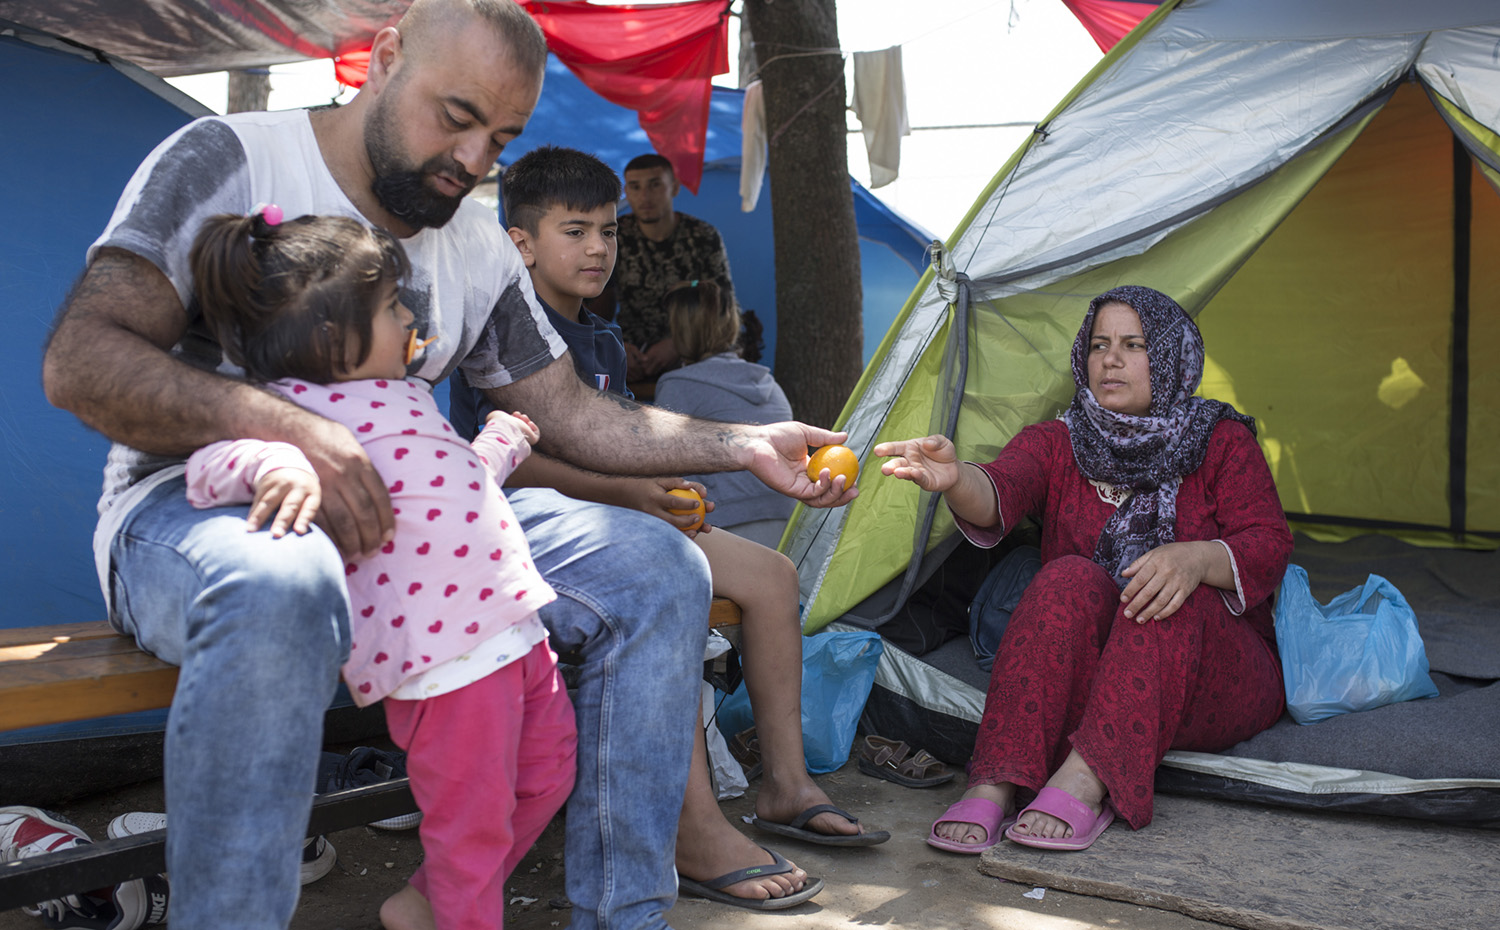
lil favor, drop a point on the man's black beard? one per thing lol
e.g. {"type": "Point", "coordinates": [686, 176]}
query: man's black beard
{"type": "Point", "coordinates": [405, 193]}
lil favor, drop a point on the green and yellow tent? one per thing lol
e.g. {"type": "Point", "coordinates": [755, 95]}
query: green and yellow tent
{"type": "Point", "coordinates": [1315, 181]}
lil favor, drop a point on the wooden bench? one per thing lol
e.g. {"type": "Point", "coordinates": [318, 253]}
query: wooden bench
{"type": "Point", "coordinates": [80, 671]}
{"type": "Point", "coordinates": [77, 671]}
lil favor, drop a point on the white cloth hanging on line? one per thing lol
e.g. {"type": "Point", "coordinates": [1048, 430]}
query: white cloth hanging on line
{"type": "Point", "coordinates": [752, 146]}
{"type": "Point", "coordinates": [880, 104]}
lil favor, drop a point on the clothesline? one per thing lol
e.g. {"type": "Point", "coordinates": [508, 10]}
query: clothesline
{"type": "Point", "coordinates": [1016, 125]}
{"type": "Point", "coordinates": [815, 50]}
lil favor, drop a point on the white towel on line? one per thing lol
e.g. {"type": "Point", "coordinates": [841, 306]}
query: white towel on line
{"type": "Point", "coordinates": [880, 104]}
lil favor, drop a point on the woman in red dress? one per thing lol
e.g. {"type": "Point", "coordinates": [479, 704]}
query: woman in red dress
{"type": "Point", "coordinates": [1148, 627]}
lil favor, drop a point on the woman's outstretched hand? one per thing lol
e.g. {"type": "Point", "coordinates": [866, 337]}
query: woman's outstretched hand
{"type": "Point", "coordinates": [931, 463]}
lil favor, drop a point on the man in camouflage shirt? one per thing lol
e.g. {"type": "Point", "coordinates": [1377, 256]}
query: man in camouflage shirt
{"type": "Point", "coordinates": [658, 247]}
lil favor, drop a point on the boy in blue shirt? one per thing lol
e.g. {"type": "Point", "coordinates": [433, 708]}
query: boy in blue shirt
{"type": "Point", "coordinates": [542, 192]}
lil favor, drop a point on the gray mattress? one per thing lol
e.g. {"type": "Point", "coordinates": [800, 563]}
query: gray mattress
{"type": "Point", "coordinates": [1456, 597]}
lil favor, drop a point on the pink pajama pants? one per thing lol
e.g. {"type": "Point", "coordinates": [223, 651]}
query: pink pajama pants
{"type": "Point", "coordinates": [490, 764]}
{"type": "Point", "coordinates": [1073, 673]}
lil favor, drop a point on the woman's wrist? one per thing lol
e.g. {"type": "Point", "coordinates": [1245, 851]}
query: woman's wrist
{"type": "Point", "coordinates": [972, 495]}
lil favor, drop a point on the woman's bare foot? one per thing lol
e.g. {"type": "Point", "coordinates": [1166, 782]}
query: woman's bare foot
{"type": "Point", "coordinates": [782, 799]}
{"type": "Point", "coordinates": [973, 834]}
{"type": "Point", "coordinates": [407, 910]}
{"type": "Point", "coordinates": [708, 846]}
{"type": "Point", "coordinates": [1076, 778]}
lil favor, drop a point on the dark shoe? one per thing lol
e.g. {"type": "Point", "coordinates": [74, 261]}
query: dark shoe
{"type": "Point", "coordinates": [366, 766]}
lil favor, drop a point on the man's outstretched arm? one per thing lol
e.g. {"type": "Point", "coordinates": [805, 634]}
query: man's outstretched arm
{"type": "Point", "coordinates": [107, 362]}
{"type": "Point", "coordinates": [608, 433]}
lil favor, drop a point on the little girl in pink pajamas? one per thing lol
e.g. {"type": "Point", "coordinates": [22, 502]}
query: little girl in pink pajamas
{"type": "Point", "coordinates": [443, 616]}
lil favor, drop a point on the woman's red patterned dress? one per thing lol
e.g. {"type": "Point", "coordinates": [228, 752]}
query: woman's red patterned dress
{"type": "Point", "coordinates": [1073, 673]}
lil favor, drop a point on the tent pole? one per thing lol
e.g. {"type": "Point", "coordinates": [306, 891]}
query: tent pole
{"type": "Point", "coordinates": [958, 346]}
{"type": "Point", "coordinates": [1458, 389]}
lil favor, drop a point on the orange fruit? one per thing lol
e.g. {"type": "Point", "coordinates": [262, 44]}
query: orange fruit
{"type": "Point", "coordinates": [839, 460]}
{"type": "Point", "coordinates": [697, 507]}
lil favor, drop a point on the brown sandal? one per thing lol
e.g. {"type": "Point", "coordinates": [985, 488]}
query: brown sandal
{"type": "Point", "coordinates": [894, 761]}
{"type": "Point", "coordinates": [745, 747]}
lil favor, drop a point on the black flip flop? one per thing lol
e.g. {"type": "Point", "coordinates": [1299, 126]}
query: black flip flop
{"type": "Point", "coordinates": [797, 829]}
{"type": "Point", "coordinates": [711, 889]}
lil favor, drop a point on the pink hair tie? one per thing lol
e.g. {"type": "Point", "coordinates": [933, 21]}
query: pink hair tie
{"type": "Point", "coordinates": [269, 212]}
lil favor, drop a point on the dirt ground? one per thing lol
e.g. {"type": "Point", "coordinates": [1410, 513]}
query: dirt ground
{"type": "Point", "coordinates": [901, 884]}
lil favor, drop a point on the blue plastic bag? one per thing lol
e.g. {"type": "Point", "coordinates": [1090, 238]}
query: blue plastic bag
{"type": "Point", "coordinates": [1359, 651]}
{"type": "Point", "coordinates": [838, 670]}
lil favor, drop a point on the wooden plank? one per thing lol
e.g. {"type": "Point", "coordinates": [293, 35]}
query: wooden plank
{"type": "Point", "coordinates": [723, 612]}
{"type": "Point", "coordinates": [78, 671]}
{"type": "Point", "coordinates": [65, 653]}
{"type": "Point", "coordinates": [1263, 868]}
{"type": "Point", "coordinates": [58, 674]}
{"type": "Point", "coordinates": [59, 633]}
{"type": "Point", "coordinates": [41, 673]}
{"type": "Point", "coordinates": [149, 686]}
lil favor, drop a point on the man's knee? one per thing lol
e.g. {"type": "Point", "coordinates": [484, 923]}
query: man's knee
{"type": "Point", "coordinates": [595, 549]}
{"type": "Point", "coordinates": [293, 587]}
{"type": "Point", "coordinates": [220, 585]}
{"type": "Point", "coordinates": [659, 545]}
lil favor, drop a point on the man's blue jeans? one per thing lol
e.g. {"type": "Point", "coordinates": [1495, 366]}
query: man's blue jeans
{"type": "Point", "coordinates": [261, 626]}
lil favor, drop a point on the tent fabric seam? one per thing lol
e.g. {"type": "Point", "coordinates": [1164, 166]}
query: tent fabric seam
{"type": "Point", "coordinates": [1199, 209]}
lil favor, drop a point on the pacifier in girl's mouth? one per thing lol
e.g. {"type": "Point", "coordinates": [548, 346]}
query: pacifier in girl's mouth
{"type": "Point", "coordinates": [413, 345]}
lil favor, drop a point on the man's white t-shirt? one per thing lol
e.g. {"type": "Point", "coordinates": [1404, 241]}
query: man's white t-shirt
{"type": "Point", "coordinates": [468, 286]}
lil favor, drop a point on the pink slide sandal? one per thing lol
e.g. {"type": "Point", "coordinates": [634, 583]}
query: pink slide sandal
{"type": "Point", "coordinates": [987, 814]}
{"type": "Point", "coordinates": [1056, 802]}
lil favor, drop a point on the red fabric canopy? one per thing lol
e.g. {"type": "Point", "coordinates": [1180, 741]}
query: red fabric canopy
{"type": "Point", "coordinates": [1108, 20]}
{"type": "Point", "coordinates": [657, 60]}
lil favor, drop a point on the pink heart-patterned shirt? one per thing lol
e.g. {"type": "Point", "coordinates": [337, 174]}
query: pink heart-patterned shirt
{"type": "Point", "coordinates": [457, 573]}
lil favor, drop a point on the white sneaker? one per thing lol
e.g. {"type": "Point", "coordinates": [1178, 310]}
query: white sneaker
{"type": "Point", "coordinates": [135, 823]}
{"type": "Point", "coordinates": [318, 855]}
{"type": "Point", "coordinates": [140, 902]}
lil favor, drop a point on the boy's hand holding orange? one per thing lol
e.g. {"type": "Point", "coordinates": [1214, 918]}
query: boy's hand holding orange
{"type": "Point", "coordinates": [693, 505]}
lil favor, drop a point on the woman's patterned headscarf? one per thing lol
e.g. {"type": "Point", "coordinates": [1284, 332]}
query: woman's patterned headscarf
{"type": "Point", "coordinates": [1149, 454]}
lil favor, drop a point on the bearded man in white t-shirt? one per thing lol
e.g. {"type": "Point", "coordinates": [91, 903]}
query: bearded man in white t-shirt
{"type": "Point", "coordinates": [260, 626]}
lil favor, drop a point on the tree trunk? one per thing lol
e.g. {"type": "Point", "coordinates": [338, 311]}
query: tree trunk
{"type": "Point", "coordinates": [248, 90]}
{"type": "Point", "coordinates": [819, 299]}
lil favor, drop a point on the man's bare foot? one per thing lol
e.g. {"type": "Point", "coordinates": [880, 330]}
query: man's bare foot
{"type": "Point", "coordinates": [407, 910]}
{"type": "Point", "coordinates": [1076, 778]}
{"type": "Point", "coordinates": [711, 847]}
{"type": "Point", "coordinates": [973, 834]}
{"type": "Point", "coordinates": [781, 801]}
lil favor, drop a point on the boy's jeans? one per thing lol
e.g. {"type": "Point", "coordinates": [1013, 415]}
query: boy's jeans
{"type": "Point", "coordinates": [260, 628]}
